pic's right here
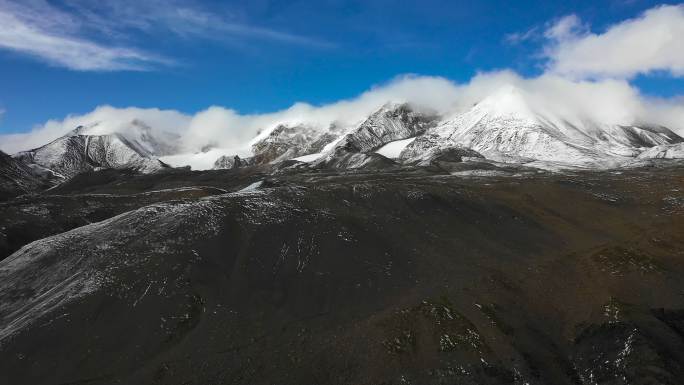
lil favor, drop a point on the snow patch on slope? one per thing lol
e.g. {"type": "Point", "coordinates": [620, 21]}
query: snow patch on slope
{"type": "Point", "coordinates": [672, 151]}
{"type": "Point", "coordinates": [393, 150]}
{"type": "Point", "coordinates": [204, 160]}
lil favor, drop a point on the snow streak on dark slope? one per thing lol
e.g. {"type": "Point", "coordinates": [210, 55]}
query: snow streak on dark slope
{"type": "Point", "coordinates": [357, 148]}
{"type": "Point", "coordinates": [16, 177]}
{"type": "Point", "coordinates": [288, 142]}
{"type": "Point", "coordinates": [392, 122]}
{"type": "Point", "coordinates": [75, 153]}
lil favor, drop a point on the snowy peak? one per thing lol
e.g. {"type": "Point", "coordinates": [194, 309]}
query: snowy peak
{"type": "Point", "coordinates": [138, 134]}
{"type": "Point", "coordinates": [82, 130]}
{"type": "Point", "coordinates": [507, 127]}
{"type": "Point", "coordinates": [392, 122]}
{"type": "Point", "coordinates": [291, 141]}
{"type": "Point", "coordinates": [76, 153]}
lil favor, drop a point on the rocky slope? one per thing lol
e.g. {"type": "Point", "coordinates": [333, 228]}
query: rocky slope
{"type": "Point", "coordinates": [392, 122]}
{"type": "Point", "coordinates": [18, 178]}
{"type": "Point", "coordinates": [324, 277]}
{"type": "Point", "coordinates": [356, 149]}
{"type": "Point", "coordinates": [228, 162]}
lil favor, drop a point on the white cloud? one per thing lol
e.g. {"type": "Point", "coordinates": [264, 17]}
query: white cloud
{"type": "Point", "coordinates": [109, 119]}
{"type": "Point", "coordinates": [565, 28]}
{"type": "Point", "coordinates": [41, 32]}
{"type": "Point", "coordinates": [652, 42]}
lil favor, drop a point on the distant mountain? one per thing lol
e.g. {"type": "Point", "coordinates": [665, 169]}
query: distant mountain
{"type": "Point", "coordinates": [228, 162]}
{"type": "Point", "coordinates": [76, 152]}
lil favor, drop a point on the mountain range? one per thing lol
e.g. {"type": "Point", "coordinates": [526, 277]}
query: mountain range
{"type": "Point", "coordinates": [503, 128]}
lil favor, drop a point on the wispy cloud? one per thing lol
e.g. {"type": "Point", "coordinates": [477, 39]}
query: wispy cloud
{"type": "Point", "coordinates": [520, 37]}
{"type": "Point", "coordinates": [88, 35]}
{"type": "Point", "coordinates": [185, 18]}
{"type": "Point", "coordinates": [189, 21]}
{"type": "Point", "coordinates": [48, 34]}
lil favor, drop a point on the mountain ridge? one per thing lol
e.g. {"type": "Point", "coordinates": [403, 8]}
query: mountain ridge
{"type": "Point", "coordinates": [507, 126]}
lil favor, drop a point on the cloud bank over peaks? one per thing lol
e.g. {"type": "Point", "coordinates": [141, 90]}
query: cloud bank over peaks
{"type": "Point", "coordinates": [607, 101]}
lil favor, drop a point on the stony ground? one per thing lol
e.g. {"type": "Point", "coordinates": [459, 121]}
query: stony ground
{"type": "Point", "coordinates": [395, 277]}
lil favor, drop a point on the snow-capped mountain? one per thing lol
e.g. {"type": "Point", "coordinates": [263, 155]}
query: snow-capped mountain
{"type": "Point", "coordinates": [153, 140]}
{"type": "Point", "coordinates": [77, 152]}
{"type": "Point", "coordinates": [392, 122]}
{"type": "Point", "coordinates": [505, 127]}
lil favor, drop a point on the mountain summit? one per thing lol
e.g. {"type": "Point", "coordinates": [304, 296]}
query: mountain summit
{"type": "Point", "coordinates": [76, 152]}
{"type": "Point", "coordinates": [506, 127]}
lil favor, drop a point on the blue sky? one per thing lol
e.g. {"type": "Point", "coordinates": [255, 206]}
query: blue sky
{"type": "Point", "coordinates": [262, 56]}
